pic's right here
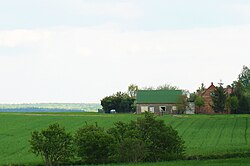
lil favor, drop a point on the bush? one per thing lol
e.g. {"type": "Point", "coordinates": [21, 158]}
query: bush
{"type": "Point", "coordinates": [157, 141]}
{"type": "Point", "coordinates": [146, 139]}
{"type": "Point", "coordinates": [129, 147]}
{"type": "Point", "coordinates": [53, 144]}
{"type": "Point", "coordinates": [94, 145]}
{"type": "Point", "coordinates": [163, 142]}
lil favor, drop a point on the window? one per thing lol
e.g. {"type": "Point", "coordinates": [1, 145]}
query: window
{"type": "Point", "coordinates": [144, 108]}
{"type": "Point", "coordinates": [174, 108]}
{"type": "Point", "coordinates": [151, 109]}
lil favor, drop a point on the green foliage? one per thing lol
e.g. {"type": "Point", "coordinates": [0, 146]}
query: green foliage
{"type": "Point", "coordinates": [132, 89]}
{"type": "Point", "coordinates": [161, 87]}
{"type": "Point", "coordinates": [199, 102]}
{"type": "Point", "coordinates": [167, 87]}
{"type": "Point", "coordinates": [244, 77]}
{"type": "Point", "coordinates": [94, 145]}
{"type": "Point", "coordinates": [155, 139]}
{"type": "Point", "coordinates": [242, 90]}
{"type": "Point", "coordinates": [192, 97]}
{"type": "Point", "coordinates": [129, 146]}
{"type": "Point", "coordinates": [232, 104]}
{"type": "Point", "coordinates": [163, 142]}
{"type": "Point", "coordinates": [53, 144]}
{"type": "Point", "coordinates": [121, 102]}
{"type": "Point", "coordinates": [219, 98]}
{"type": "Point", "coordinates": [182, 104]}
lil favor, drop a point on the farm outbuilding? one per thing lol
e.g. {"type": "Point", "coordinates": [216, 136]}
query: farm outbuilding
{"type": "Point", "coordinates": [158, 101]}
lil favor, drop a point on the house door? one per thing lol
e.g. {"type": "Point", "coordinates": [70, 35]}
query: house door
{"type": "Point", "coordinates": [162, 109]}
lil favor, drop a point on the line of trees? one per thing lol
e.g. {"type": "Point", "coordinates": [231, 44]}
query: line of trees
{"type": "Point", "coordinates": [143, 140]}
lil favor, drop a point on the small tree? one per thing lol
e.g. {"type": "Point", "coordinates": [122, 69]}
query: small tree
{"type": "Point", "coordinates": [53, 144]}
{"type": "Point", "coordinates": [219, 98]}
{"type": "Point", "coordinates": [182, 104]}
{"type": "Point", "coordinates": [162, 141]}
{"type": "Point", "coordinates": [232, 104]}
{"type": "Point", "coordinates": [199, 102]}
{"type": "Point", "coordinates": [94, 145]}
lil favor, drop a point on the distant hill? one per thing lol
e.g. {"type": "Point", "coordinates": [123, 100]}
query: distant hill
{"type": "Point", "coordinates": [50, 107]}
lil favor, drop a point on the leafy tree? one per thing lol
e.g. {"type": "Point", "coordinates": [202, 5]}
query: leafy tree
{"type": "Point", "coordinates": [219, 98]}
{"type": "Point", "coordinates": [129, 147]}
{"type": "Point", "coordinates": [121, 102]}
{"type": "Point", "coordinates": [94, 145]}
{"type": "Point", "coordinates": [243, 97]}
{"type": "Point", "coordinates": [182, 104]}
{"type": "Point", "coordinates": [131, 150]}
{"type": "Point", "coordinates": [199, 102]}
{"type": "Point", "coordinates": [161, 87]}
{"type": "Point", "coordinates": [155, 139]}
{"type": "Point", "coordinates": [232, 104]}
{"type": "Point", "coordinates": [167, 87]}
{"type": "Point", "coordinates": [132, 90]}
{"type": "Point", "coordinates": [163, 142]}
{"type": "Point", "coordinates": [244, 77]}
{"type": "Point", "coordinates": [53, 144]}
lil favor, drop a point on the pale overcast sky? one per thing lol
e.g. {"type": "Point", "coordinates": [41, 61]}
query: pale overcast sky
{"type": "Point", "coordinates": [84, 50]}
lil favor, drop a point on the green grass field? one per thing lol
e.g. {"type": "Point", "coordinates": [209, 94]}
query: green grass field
{"type": "Point", "coordinates": [203, 134]}
{"type": "Point", "coordinates": [220, 162]}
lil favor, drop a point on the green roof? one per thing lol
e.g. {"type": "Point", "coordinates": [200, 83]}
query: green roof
{"type": "Point", "coordinates": [158, 96]}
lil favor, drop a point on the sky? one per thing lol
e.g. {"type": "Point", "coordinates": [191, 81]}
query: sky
{"type": "Point", "coordinates": [83, 50]}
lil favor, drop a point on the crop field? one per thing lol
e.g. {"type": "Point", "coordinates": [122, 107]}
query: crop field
{"type": "Point", "coordinates": [220, 162]}
{"type": "Point", "coordinates": [203, 134]}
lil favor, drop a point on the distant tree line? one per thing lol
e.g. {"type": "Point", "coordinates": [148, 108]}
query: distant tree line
{"type": "Point", "coordinates": [145, 140]}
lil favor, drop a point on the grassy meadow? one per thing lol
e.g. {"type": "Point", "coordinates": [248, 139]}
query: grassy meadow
{"type": "Point", "coordinates": [203, 134]}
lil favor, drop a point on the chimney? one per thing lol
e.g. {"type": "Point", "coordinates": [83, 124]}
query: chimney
{"type": "Point", "coordinates": [212, 83]}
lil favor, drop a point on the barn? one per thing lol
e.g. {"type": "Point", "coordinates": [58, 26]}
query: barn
{"type": "Point", "coordinates": [158, 101]}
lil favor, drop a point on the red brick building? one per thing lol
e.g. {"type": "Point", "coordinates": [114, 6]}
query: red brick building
{"type": "Point", "coordinates": [206, 95]}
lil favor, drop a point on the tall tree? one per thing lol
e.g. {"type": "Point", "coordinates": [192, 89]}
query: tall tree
{"type": "Point", "coordinates": [241, 89]}
{"type": "Point", "coordinates": [132, 89]}
{"type": "Point", "coordinates": [244, 77]}
{"type": "Point", "coordinates": [219, 97]}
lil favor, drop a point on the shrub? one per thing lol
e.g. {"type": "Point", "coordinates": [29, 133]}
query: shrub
{"type": "Point", "coordinates": [129, 147]}
{"type": "Point", "coordinates": [94, 145]}
{"type": "Point", "coordinates": [163, 142]}
{"type": "Point", "coordinates": [53, 144]}
{"type": "Point", "coordinates": [156, 141]}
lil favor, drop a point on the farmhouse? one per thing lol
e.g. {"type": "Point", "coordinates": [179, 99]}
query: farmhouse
{"type": "Point", "coordinates": [157, 101]}
{"type": "Point", "coordinates": [206, 95]}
